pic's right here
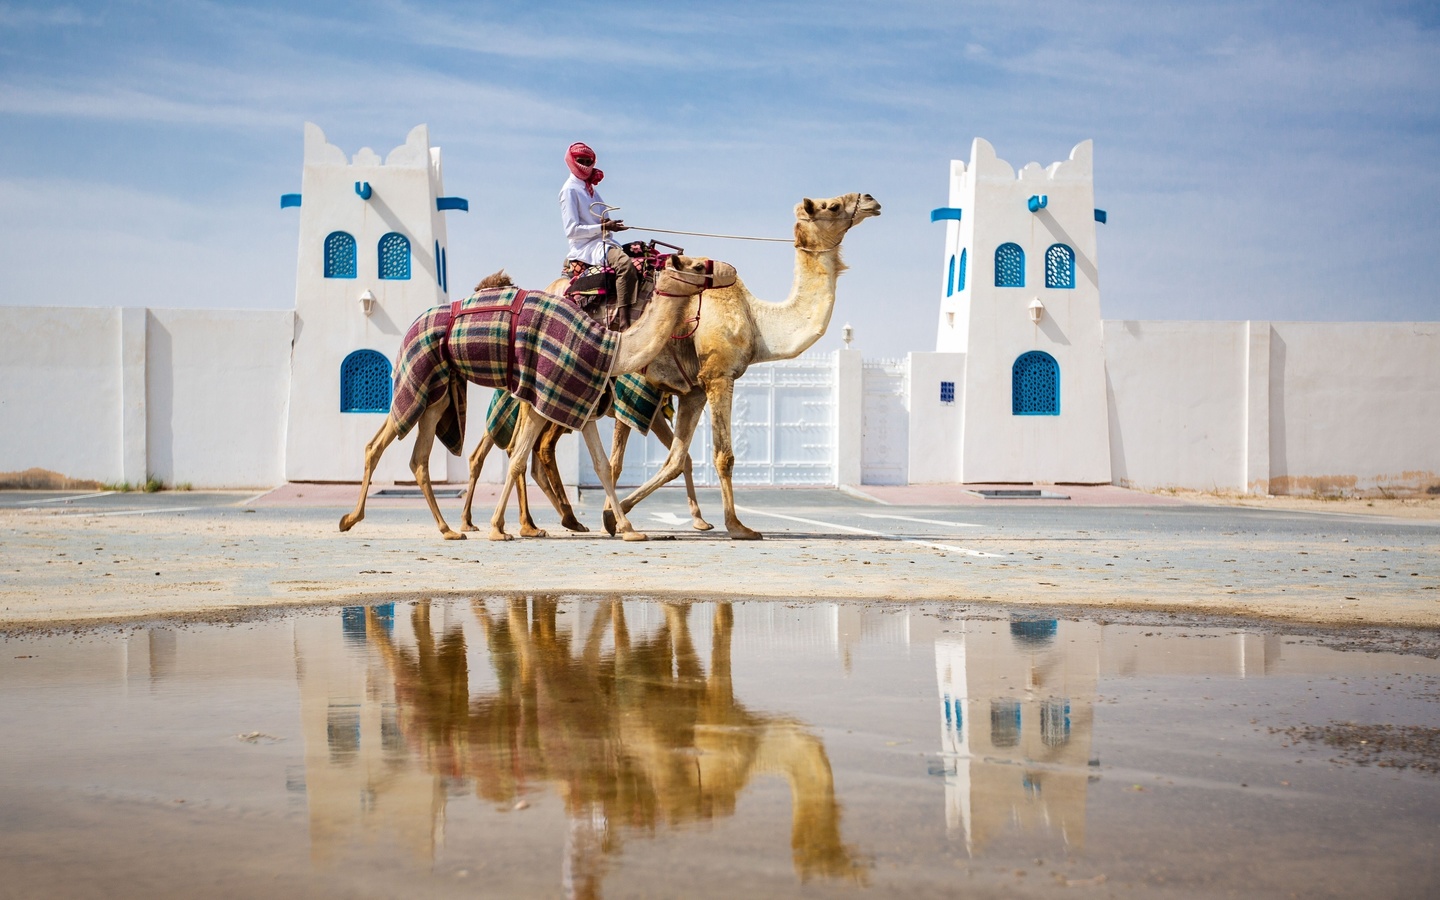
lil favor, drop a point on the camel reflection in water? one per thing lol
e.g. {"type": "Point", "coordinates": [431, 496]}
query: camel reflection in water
{"type": "Point", "coordinates": [633, 736]}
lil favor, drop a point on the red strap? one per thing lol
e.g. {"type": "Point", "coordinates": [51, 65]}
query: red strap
{"type": "Point", "coordinates": [511, 378]}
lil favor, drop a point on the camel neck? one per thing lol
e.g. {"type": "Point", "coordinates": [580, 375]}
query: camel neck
{"type": "Point", "coordinates": [791, 327]}
{"type": "Point", "coordinates": [643, 341]}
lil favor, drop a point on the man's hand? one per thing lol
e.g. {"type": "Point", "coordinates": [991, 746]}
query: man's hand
{"type": "Point", "coordinates": [613, 225]}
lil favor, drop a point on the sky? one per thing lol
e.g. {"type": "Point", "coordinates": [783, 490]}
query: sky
{"type": "Point", "coordinates": [1261, 159]}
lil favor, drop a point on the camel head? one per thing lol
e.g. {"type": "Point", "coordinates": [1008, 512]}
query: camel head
{"type": "Point", "coordinates": [688, 275]}
{"type": "Point", "coordinates": [821, 224]}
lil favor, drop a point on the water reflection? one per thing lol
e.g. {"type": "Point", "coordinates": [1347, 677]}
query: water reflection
{"type": "Point", "coordinates": [1017, 711]}
{"type": "Point", "coordinates": [626, 726]}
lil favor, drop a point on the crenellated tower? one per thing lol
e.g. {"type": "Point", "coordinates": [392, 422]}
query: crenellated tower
{"type": "Point", "coordinates": [372, 257]}
{"type": "Point", "coordinates": [1021, 300]}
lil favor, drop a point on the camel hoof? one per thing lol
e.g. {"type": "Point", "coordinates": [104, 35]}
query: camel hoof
{"type": "Point", "coordinates": [501, 536]}
{"type": "Point", "coordinates": [609, 517]}
{"type": "Point", "coordinates": [701, 525]}
{"type": "Point", "coordinates": [347, 522]}
{"type": "Point", "coordinates": [453, 535]}
{"type": "Point", "coordinates": [574, 524]}
{"type": "Point", "coordinates": [745, 534]}
{"type": "Point", "coordinates": [534, 533]}
{"type": "Point", "coordinates": [468, 526]}
{"type": "Point", "coordinates": [634, 536]}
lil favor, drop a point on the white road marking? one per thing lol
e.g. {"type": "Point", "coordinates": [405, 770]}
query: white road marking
{"type": "Point", "coordinates": [948, 548]}
{"type": "Point", "coordinates": [670, 518]}
{"type": "Point", "coordinates": [77, 497]}
{"type": "Point", "coordinates": [133, 512]}
{"type": "Point", "coordinates": [921, 521]}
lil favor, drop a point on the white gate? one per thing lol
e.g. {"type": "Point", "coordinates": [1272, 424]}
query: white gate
{"type": "Point", "coordinates": [884, 423]}
{"type": "Point", "coordinates": [783, 423]}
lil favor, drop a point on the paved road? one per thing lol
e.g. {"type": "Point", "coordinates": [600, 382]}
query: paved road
{"type": "Point", "coordinates": [113, 556]}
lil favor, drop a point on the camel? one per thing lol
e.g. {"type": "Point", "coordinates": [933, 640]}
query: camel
{"type": "Point", "coordinates": [738, 330]}
{"type": "Point", "coordinates": [632, 738]}
{"type": "Point", "coordinates": [429, 343]}
{"type": "Point", "coordinates": [546, 473]}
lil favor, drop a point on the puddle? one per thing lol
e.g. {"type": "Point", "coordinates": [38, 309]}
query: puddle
{"type": "Point", "coordinates": [573, 747]}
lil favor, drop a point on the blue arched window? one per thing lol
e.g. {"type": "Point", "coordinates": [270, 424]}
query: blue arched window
{"type": "Point", "coordinates": [950, 277]}
{"type": "Point", "coordinates": [1059, 267]}
{"type": "Point", "coordinates": [339, 255]}
{"type": "Point", "coordinates": [365, 383]}
{"type": "Point", "coordinates": [394, 254]}
{"type": "Point", "coordinates": [1009, 266]}
{"type": "Point", "coordinates": [1035, 385]}
{"type": "Point", "coordinates": [960, 278]}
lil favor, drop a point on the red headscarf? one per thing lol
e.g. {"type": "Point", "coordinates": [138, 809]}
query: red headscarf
{"type": "Point", "coordinates": [588, 174]}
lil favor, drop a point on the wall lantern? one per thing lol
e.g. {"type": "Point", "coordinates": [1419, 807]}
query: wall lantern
{"type": "Point", "coordinates": [367, 302]}
{"type": "Point", "coordinates": [1036, 309]}
{"type": "Point", "coordinates": [847, 334]}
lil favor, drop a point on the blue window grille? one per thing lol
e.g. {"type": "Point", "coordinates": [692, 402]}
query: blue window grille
{"type": "Point", "coordinates": [1035, 385]}
{"type": "Point", "coordinates": [1059, 267]}
{"type": "Point", "coordinates": [365, 383]}
{"type": "Point", "coordinates": [1055, 722]}
{"type": "Point", "coordinates": [950, 277]}
{"type": "Point", "coordinates": [947, 392]}
{"type": "Point", "coordinates": [1009, 266]}
{"type": "Point", "coordinates": [395, 257]}
{"type": "Point", "coordinates": [1004, 723]}
{"type": "Point", "coordinates": [339, 255]}
{"type": "Point", "coordinates": [960, 278]}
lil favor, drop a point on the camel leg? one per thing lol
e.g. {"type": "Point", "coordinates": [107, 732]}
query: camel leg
{"type": "Point", "coordinates": [546, 472]}
{"type": "Point", "coordinates": [687, 419]}
{"type": "Point", "coordinates": [420, 462]}
{"type": "Point", "coordinates": [477, 462]}
{"type": "Point", "coordinates": [591, 431]}
{"type": "Point", "coordinates": [661, 428]}
{"type": "Point", "coordinates": [619, 437]}
{"type": "Point", "coordinates": [528, 528]}
{"type": "Point", "coordinates": [373, 450]}
{"type": "Point", "coordinates": [721, 392]}
{"type": "Point", "coordinates": [527, 430]}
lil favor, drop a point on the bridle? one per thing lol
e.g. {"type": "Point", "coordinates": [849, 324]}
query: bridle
{"type": "Point", "coordinates": [706, 284]}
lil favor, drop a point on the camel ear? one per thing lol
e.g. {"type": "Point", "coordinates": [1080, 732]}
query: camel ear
{"type": "Point", "coordinates": [809, 206]}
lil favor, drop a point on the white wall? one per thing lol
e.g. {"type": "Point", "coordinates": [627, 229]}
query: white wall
{"type": "Point", "coordinates": [217, 386]}
{"type": "Point", "coordinates": [1354, 406]}
{"type": "Point", "coordinates": [1283, 408]}
{"type": "Point", "coordinates": [60, 391]}
{"type": "Point", "coordinates": [1177, 404]}
{"type": "Point", "coordinates": [935, 427]}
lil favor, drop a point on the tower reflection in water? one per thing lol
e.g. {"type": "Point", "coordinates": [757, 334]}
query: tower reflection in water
{"type": "Point", "coordinates": [1016, 715]}
{"type": "Point", "coordinates": [1017, 703]}
{"type": "Point", "coordinates": [625, 726]}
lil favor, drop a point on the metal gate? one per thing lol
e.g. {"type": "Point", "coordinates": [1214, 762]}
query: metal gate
{"type": "Point", "coordinates": [783, 422]}
{"type": "Point", "coordinates": [885, 423]}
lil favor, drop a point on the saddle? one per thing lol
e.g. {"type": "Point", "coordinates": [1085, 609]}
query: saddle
{"type": "Point", "coordinates": [593, 288]}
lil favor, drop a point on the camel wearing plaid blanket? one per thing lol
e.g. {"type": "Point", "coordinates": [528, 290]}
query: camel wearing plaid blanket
{"type": "Point", "coordinates": [559, 372]}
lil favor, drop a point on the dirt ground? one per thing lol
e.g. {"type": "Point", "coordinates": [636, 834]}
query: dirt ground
{"type": "Point", "coordinates": [1350, 563]}
{"type": "Point", "coordinates": [1426, 507]}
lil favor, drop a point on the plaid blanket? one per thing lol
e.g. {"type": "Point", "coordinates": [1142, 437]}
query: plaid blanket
{"type": "Point", "coordinates": [636, 401]}
{"type": "Point", "coordinates": [502, 417]}
{"type": "Point", "coordinates": [561, 359]}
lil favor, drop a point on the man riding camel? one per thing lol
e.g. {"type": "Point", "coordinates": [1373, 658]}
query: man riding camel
{"type": "Point", "coordinates": [583, 214]}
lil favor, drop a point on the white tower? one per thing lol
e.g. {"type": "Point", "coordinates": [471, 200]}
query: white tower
{"type": "Point", "coordinates": [372, 258]}
{"type": "Point", "coordinates": [1021, 301]}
